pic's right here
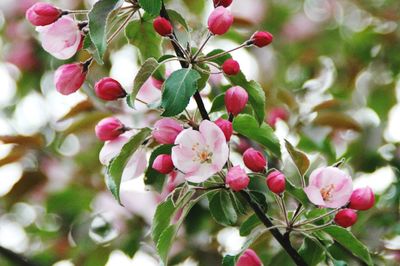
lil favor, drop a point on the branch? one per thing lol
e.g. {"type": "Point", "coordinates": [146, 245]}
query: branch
{"type": "Point", "coordinates": [184, 64]}
{"type": "Point", "coordinates": [283, 241]}
{"type": "Point", "coordinates": [15, 258]}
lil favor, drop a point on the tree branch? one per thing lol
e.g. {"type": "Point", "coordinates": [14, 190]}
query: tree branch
{"type": "Point", "coordinates": [283, 241]}
{"type": "Point", "coordinates": [15, 258]}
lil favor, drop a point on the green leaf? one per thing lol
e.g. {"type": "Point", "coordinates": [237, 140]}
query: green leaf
{"type": "Point", "coordinates": [311, 252]}
{"type": "Point", "coordinates": [90, 48]}
{"type": "Point", "coordinates": [165, 242]}
{"type": "Point", "coordinates": [141, 34]}
{"type": "Point", "coordinates": [253, 88]}
{"type": "Point", "coordinates": [153, 177]}
{"type": "Point", "coordinates": [229, 260]}
{"type": "Point", "coordinates": [175, 16]}
{"type": "Point", "coordinates": [218, 104]}
{"type": "Point", "coordinates": [162, 217]}
{"type": "Point", "coordinates": [350, 242]}
{"type": "Point", "coordinates": [299, 158]}
{"type": "Point", "coordinates": [297, 193]}
{"type": "Point", "coordinates": [178, 88]}
{"type": "Point", "coordinates": [247, 226]}
{"type": "Point", "coordinates": [222, 209]}
{"type": "Point", "coordinates": [153, 7]}
{"type": "Point", "coordinates": [117, 165]}
{"type": "Point", "coordinates": [144, 73]}
{"type": "Point", "coordinates": [98, 18]}
{"type": "Point", "coordinates": [264, 134]}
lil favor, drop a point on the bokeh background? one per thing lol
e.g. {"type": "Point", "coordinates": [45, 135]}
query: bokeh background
{"type": "Point", "coordinates": [334, 68]}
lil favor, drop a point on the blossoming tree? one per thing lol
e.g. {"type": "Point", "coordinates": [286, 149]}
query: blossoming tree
{"type": "Point", "coordinates": [227, 156]}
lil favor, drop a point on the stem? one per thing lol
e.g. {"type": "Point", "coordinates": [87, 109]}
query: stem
{"type": "Point", "coordinates": [179, 53]}
{"type": "Point", "coordinates": [297, 213]}
{"type": "Point", "coordinates": [209, 35]}
{"type": "Point", "coordinates": [284, 242]}
{"type": "Point", "coordinates": [315, 227]}
{"type": "Point", "coordinates": [284, 210]}
{"type": "Point", "coordinates": [76, 11]}
{"type": "Point", "coordinates": [15, 258]}
{"type": "Point", "coordinates": [223, 53]}
{"type": "Point", "coordinates": [317, 218]}
{"type": "Point", "coordinates": [121, 27]}
{"type": "Point", "coordinates": [175, 41]}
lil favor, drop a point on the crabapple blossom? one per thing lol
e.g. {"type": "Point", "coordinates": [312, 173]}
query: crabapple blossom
{"type": "Point", "coordinates": [231, 67]}
{"type": "Point", "coordinates": [362, 199]}
{"type": "Point", "coordinates": [220, 20]}
{"type": "Point", "coordinates": [42, 14]}
{"type": "Point", "coordinates": [109, 128]}
{"type": "Point", "coordinates": [224, 3]}
{"type": "Point", "coordinates": [200, 154]}
{"type": "Point", "coordinates": [163, 164]}
{"type": "Point", "coordinates": [162, 26]}
{"type": "Point", "coordinates": [249, 258]}
{"type": "Point", "coordinates": [261, 38]}
{"type": "Point", "coordinates": [69, 78]}
{"type": "Point", "coordinates": [276, 182]}
{"type": "Point", "coordinates": [62, 39]}
{"type": "Point", "coordinates": [346, 217]}
{"type": "Point", "coordinates": [236, 99]}
{"type": "Point", "coordinates": [237, 179]}
{"type": "Point", "coordinates": [166, 130]}
{"type": "Point", "coordinates": [109, 89]}
{"type": "Point", "coordinates": [226, 127]}
{"type": "Point", "coordinates": [329, 187]}
{"type": "Point", "coordinates": [275, 114]}
{"type": "Point", "coordinates": [254, 160]}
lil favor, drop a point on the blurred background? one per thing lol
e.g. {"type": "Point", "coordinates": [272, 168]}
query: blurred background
{"type": "Point", "coordinates": [332, 80]}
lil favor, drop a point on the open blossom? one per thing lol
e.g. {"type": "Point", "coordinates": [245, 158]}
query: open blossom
{"type": "Point", "coordinates": [200, 154]}
{"type": "Point", "coordinates": [329, 187]}
{"type": "Point", "coordinates": [61, 39]}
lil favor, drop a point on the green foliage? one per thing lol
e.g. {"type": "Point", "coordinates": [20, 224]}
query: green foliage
{"type": "Point", "coordinates": [249, 224]}
{"type": "Point", "coordinates": [117, 165]}
{"type": "Point", "coordinates": [222, 209]}
{"type": "Point", "coordinates": [178, 89]}
{"type": "Point", "coordinates": [98, 18]}
{"type": "Point", "coordinates": [153, 177]}
{"type": "Point", "coordinates": [299, 158]}
{"type": "Point", "coordinates": [264, 134]}
{"type": "Point", "coordinates": [152, 7]}
{"type": "Point", "coordinates": [311, 252]}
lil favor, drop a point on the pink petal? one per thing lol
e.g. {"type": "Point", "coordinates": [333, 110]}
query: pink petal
{"type": "Point", "coordinates": [314, 195]}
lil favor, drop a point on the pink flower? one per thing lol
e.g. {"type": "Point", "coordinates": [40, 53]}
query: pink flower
{"type": "Point", "coordinates": [220, 20]}
{"type": "Point", "coordinates": [69, 78]}
{"type": "Point", "coordinates": [231, 67]}
{"type": "Point", "coordinates": [42, 14]}
{"type": "Point", "coordinates": [362, 199]}
{"type": "Point", "coordinates": [109, 128]}
{"type": "Point", "coordinates": [249, 258]}
{"type": "Point", "coordinates": [329, 187]}
{"type": "Point", "coordinates": [254, 160]}
{"type": "Point", "coordinates": [237, 179]}
{"type": "Point", "coordinates": [261, 38]}
{"type": "Point", "coordinates": [200, 154]}
{"type": "Point", "coordinates": [166, 130]}
{"type": "Point", "coordinates": [236, 99]}
{"type": "Point", "coordinates": [162, 26]}
{"type": "Point", "coordinates": [226, 127]}
{"type": "Point", "coordinates": [163, 164]}
{"type": "Point", "coordinates": [224, 3]}
{"type": "Point", "coordinates": [276, 182]}
{"type": "Point", "coordinates": [109, 89]}
{"type": "Point", "coordinates": [61, 39]}
{"type": "Point", "coordinates": [346, 217]}
{"type": "Point", "coordinates": [275, 114]}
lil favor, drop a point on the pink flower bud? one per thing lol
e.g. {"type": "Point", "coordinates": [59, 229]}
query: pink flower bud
{"type": "Point", "coordinates": [224, 3]}
{"type": "Point", "coordinates": [69, 78]}
{"type": "Point", "coordinates": [249, 258]}
{"type": "Point", "coordinates": [163, 164]}
{"type": "Point", "coordinates": [275, 114]}
{"type": "Point", "coordinates": [226, 127]}
{"type": "Point", "coordinates": [237, 179]}
{"type": "Point", "coordinates": [220, 20]}
{"type": "Point", "coordinates": [166, 130]}
{"type": "Point", "coordinates": [346, 217]}
{"type": "Point", "coordinates": [109, 89]}
{"type": "Point", "coordinates": [162, 26]}
{"type": "Point", "coordinates": [276, 182]}
{"type": "Point", "coordinates": [236, 99]}
{"type": "Point", "coordinates": [109, 128]}
{"type": "Point", "coordinates": [231, 67]}
{"type": "Point", "coordinates": [362, 199]}
{"type": "Point", "coordinates": [157, 83]}
{"type": "Point", "coordinates": [261, 38]}
{"type": "Point", "coordinates": [254, 160]}
{"type": "Point", "coordinates": [42, 14]}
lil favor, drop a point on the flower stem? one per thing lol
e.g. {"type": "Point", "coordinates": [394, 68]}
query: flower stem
{"type": "Point", "coordinates": [209, 35]}
{"type": "Point", "coordinates": [121, 27]}
{"type": "Point", "coordinates": [316, 218]}
{"type": "Point", "coordinates": [222, 54]}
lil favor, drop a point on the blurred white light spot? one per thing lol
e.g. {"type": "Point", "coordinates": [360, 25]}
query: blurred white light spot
{"type": "Point", "coordinates": [63, 263]}
{"type": "Point", "coordinates": [379, 180]}
{"type": "Point", "coordinates": [325, 78]}
{"type": "Point", "coordinates": [13, 236]}
{"type": "Point", "coordinates": [70, 146]}
{"type": "Point", "coordinates": [230, 240]}
{"type": "Point", "coordinates": [8, 86]}
{"type": "Point", "coordinates": [10, 174]}
{"type": "Point", "coordinates": [124, 66]}
{"type": "Point", "coordinates": [118, 258]}
{"type": "Point", "coordinates": [392, 132]}
{"type": "Point", "coordinates": [25, 214]}
{"type": "Point", "coordinates": [318, 10]}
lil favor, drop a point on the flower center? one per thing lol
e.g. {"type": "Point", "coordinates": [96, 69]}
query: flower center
{"type": "Point", "coordinates": [203, 155]}
{"type": "Point", "coordinates": [326, 192]}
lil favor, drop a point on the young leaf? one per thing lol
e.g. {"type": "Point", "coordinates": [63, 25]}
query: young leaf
{"type": "Point", "coordinates": [153, 7]}
{"type": "Point", "coordinates": [218, 103]}
{"type": "Point", "coordinates": [88, 45]}
{"type": "Point", "coordinates": [297, 193]}
{"type": "Point", "coordinates": [178, 89]}
{"type": "Point", "coordinates": [247, 226]}
{"type": "Point", "coordinates": [152, 177]}
{"type": "Point", "coordinates": [350, 242]}
{"type": "Point", "coordinates": [141, 34]}
{"type": "Point", "coordinates": [229, 260]}
{"type": "Point", "coordinates": [299, 158]}
{"type": "Point", "coordinates": [222, 210]}
{"type": "Point", "coordinates": [264, 134]}
{"type": "Point", "coordinates": [144, 73]}
{"type": "Point", "coordinates": [311, 252]}
{"type": "Point", "coordinates": [175, 16]}
{"type": "Point", "coordinates": [117, 165]}
{"type": "Point", "coordinates": [165, 241]}
{"type": "Point", "coordinates": [98, 17]}
{"type": "Point", "coordinates": [162, 218]}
